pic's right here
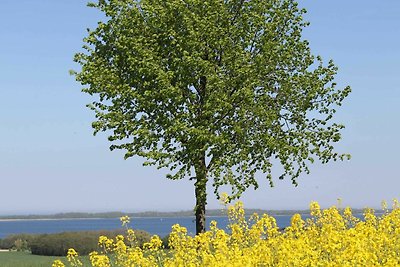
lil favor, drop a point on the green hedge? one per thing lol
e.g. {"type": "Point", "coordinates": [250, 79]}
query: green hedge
{"type": "Point", "coordinates": [18, 242]}
{"type": "Point", "coordinates": [59, 243]}
{"type": "Point", "coordinates": [82, 242]}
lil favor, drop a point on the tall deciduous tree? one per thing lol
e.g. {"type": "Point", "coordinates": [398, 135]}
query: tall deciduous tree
{"type": "Point", "coordinates": [213, 89]}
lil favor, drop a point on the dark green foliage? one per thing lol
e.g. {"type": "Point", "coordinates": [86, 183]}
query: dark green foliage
{"type": "Point", "coordinates": [83, 242]}
{"type": "Point", "coordinates": [18, 242]}
{"type": "Point", "coordinates": [59, 243]}
{"type": "Point", "coordinates": [1, 244]}
{"type": "Point", "coordinates": [165, 241]}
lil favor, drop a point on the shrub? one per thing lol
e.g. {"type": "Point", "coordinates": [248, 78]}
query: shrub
{"type": "Point", "coordinates": [84, 242]}
{"type": "Point", "coordinates": [19, 242]}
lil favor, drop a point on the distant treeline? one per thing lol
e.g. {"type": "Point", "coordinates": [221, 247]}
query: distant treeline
{"type": "Point", "coordinates": [57, 244]}
{"type": "Point", "coordinates": [117, 214]}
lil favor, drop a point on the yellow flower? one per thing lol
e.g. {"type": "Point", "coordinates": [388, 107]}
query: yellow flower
{"type": "Point", "coordinates": [332, 237]}
{"type": "Point", "coordinates": [154, 244]}
{"type": "Point", "coordinates": [57, 263]}
{"type": "Point", "coordinates": [315, 209]}
{"type": "Point", "coordinates": [224, 198]}
{"type": "Point", "coordinates": [72, 257]}
{"type": "Point", "coordinates": [125, 220]}
{"type": "Point", "coordinates": [105, 243]}
{"type": "Point", "coordinates": [72, 253]}
{"type": "Point", "coordinates": [99, 260]}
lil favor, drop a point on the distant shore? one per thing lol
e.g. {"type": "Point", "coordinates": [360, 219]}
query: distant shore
{"type": "Point", "coordinates": [149, 214]}
{"type": "Point", "coordinates": [45, 219]}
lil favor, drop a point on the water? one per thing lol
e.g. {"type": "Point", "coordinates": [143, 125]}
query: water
{"type": "Point", "coordinates": [158, 226]}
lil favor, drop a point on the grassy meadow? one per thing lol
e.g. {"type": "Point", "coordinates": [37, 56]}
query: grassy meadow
{"type": "Point", "coordinates": [26, 259]}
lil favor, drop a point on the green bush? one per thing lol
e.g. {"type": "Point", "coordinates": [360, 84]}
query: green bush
{"type": "Point", "coordinates": [18, 242]}
{"type": "Point", "coordinates": [83, 242]}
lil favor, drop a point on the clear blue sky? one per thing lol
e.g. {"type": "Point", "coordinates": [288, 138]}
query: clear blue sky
{"type": "Point", "coordinates": [50, 162]}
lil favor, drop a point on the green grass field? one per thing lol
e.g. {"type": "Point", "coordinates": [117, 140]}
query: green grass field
{"type": "Point", "coordinates": [26, 259]}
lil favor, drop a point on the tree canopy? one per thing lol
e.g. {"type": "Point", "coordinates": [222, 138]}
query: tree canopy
{"type": "Point", "coordinates": [216, 90]}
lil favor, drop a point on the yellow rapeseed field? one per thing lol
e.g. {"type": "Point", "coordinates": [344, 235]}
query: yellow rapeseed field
{"type": "Point", "coordinates": [331, 237]}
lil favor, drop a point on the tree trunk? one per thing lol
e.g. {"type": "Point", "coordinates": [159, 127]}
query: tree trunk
{"type": "Point", "coordinates": [200, 167]}
{"type": "Point", "coordinates": [201, 195]}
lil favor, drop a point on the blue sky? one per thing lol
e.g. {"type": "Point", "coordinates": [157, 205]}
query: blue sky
{"type": "Point", "coordinates": [50, 162]}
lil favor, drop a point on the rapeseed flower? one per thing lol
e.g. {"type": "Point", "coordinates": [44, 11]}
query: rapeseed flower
{"type": "Point", "coordinates": [331, 237]}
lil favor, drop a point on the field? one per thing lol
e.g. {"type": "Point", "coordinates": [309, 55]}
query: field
{"type": "Point", "coordinates": [25, 259]}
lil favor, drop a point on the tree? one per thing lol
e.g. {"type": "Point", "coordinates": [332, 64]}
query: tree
{"type": "Point", "coordinates": [218, 89]}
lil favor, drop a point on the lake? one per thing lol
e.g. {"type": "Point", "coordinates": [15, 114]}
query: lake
{"type": "Point", "coordinates": [158, 226]}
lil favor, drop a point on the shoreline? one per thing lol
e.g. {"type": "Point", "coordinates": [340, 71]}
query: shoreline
{"type": "Point", "coordinates": [99, 218]}
{"type": "Point", "coordinates": [302, 213]}
{"type": "Point", "coordinates": [50, 219]}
